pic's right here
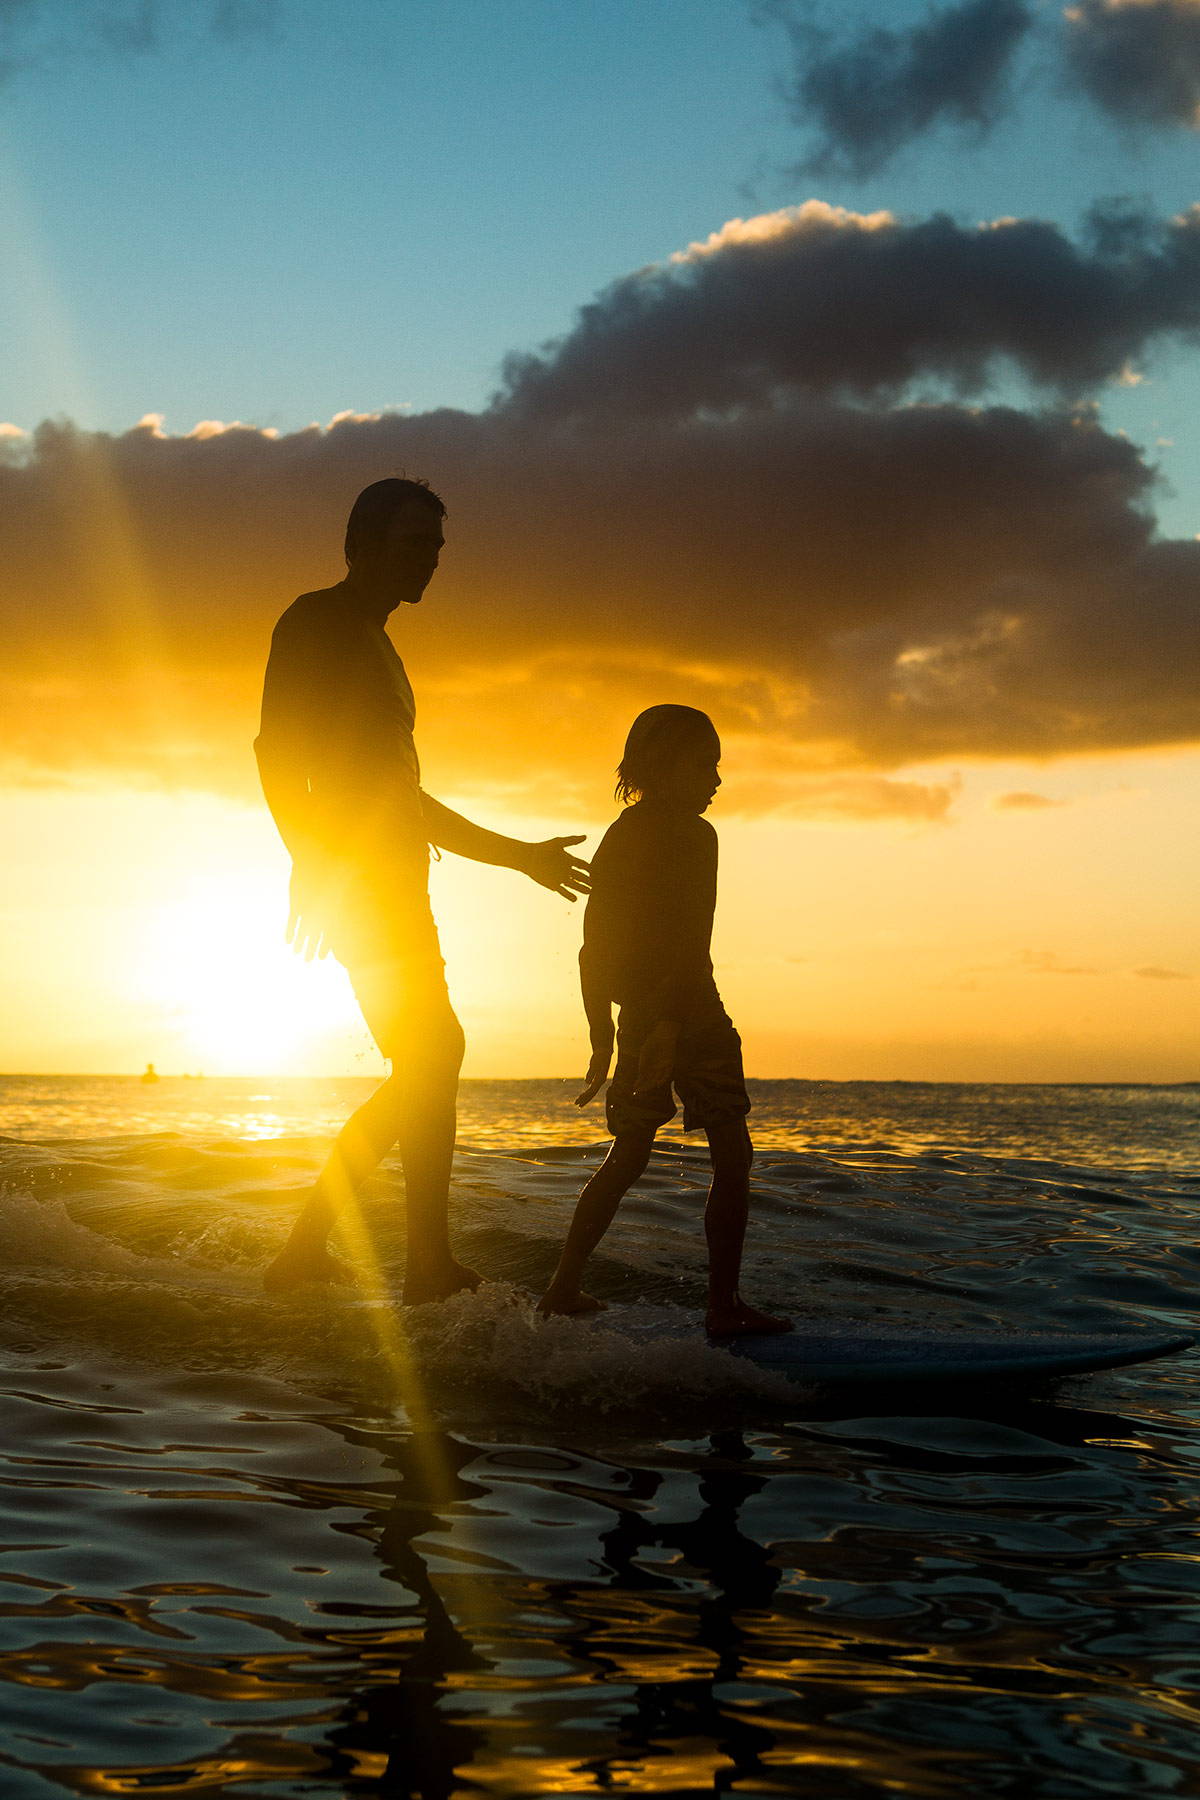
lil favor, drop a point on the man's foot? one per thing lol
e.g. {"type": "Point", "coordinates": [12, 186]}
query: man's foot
{"type": "Point", "coordinates": [739, 1319]}
{"type": "Point", "coordinates": [569, 1305]}
{"type": "Point", "coordinates": [301, 1262]}
{"type": "Point", "coordinates": [423, 1285]}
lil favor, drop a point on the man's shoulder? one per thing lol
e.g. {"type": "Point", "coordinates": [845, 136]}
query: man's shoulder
{"type": "Point", "coordinates": [310, 616]}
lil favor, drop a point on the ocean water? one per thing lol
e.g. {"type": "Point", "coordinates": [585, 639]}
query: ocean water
{"type": "Point", "coordinates": [316, 1545]}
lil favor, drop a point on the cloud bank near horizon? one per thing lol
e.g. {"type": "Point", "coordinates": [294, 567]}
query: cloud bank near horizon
{"type": "Point", "coordinates": [850, 577]}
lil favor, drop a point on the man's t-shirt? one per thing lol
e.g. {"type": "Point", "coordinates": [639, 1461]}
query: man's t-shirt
{"type": "Point", "coordinates": [648, 924]}
{"type": "Point", "coordinates": [338, 712]}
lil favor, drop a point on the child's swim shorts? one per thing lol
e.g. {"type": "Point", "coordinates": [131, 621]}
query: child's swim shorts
{"type": "Point", "coordinates": [707, 1076]}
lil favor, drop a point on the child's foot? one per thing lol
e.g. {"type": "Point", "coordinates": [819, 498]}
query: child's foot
{"type": "Point", "coordinates": [739, 1319]}
{"type": "Point", "coordinates": [570, 1304]}
{"type": "Point", "coordinates": [438, 1282]}
{"type": "Point", "coordinates": [301, 1262]}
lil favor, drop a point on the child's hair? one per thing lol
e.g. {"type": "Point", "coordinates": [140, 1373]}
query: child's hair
{"type": "Point", "coordinates": [655, 738]}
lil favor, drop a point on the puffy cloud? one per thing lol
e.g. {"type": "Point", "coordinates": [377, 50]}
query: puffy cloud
{"type": "Point", "coordinates": [866, 97]}
{"type": "Point", "coordinates": [1139, 60]}
{"type": "Point", "coordinates": [815, 300]}
{"type": "Point", "coordinates": [844, 591]}
{"type": "Point", "coordinates": [847, 589]}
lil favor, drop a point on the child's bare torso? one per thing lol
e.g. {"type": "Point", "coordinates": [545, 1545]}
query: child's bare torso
{"type": "Point", "coordinates": [648, 925]}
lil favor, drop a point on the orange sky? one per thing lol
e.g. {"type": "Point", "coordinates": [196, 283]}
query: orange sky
{"type": "Point", "coordinates": [1006, 942]}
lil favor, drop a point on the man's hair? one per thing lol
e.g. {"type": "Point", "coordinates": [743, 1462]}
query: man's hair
{"type": "Point", "coordinates": [655, 738]}
{"type": "Point", "coordinates": [378, 505]}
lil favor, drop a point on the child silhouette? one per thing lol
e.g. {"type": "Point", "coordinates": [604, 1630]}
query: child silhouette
{"type": "Point", "coordinates": [646, 948]}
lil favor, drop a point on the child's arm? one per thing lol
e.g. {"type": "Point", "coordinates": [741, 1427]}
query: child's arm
{"type": "Point", "coordinates": [604, 931]}
{"type": "Point", "coordinates": [597, 1004]}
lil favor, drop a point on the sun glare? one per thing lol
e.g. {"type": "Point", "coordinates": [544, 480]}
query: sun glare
{"type": "Point", "coordinates": [237, 1000]}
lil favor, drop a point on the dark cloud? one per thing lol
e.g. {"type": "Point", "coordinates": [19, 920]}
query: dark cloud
{"type": "Point", "coordinates": [866, 96]}
{"type": "Point", "coordinates": [1139, 60]}
{"type": "Point", "coordinates": [15, 17]}
{"type": "Point", "coordinates": [34, 33]}
{"type": "Point", "coordinates": [814, 300]}
{"type": "Point", "coordinates": [236, 19]}
{"type": "Point", "coordinates": [1154, 973]}
{"type": "Point", "coordinates": [845, 591]}
{"type": "Point", "coordinates": [863, 94]}
{"type": "Point", "coordinates": [132, 27]}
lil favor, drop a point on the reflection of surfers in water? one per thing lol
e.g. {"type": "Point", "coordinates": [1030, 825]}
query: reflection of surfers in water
{"type": "Point", "coordinates": [398, 1721]}
{"type": "Point", "coordinates": [400, 1727]}
{"type": "Point", "coordinates": [740, 1580]}
{"type": "Point", "coordinates": [646, 948]}
{"type": "Point", "coordinates": [340, 773]}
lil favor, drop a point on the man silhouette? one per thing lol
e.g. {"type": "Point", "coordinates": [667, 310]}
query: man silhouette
{"type": "Point", "coordinates": [340, 773]}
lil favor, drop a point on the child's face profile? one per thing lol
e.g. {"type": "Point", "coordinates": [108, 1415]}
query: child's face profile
{"type": "Point", "coordinates": [689, 778]}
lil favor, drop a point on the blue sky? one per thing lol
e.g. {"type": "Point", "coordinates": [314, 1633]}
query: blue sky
{"type": "Point", "coordinates": [366, 206]}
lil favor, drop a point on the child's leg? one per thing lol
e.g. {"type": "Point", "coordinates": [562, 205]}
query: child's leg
{"type": "Point", "coordinates": [594, 1214]}
{"type": "Point", "coordinates": [725, 1229]}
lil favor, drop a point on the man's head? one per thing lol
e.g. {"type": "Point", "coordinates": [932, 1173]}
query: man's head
{"type": "Point", "coordinates": [394, 538]}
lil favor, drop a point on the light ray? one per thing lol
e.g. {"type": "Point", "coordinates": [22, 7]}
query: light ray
{"type": "Point", "coordinates": [96, 518]}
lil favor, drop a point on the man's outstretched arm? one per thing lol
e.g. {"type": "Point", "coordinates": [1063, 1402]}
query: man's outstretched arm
{"type": "Point", "coordinates": [549, 862]}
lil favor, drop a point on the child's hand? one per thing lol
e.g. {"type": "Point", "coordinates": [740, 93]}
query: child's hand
{"type": "Point", "coordinates": [596, 1076]}
{"type": "Point", "coordinates": [656, 1063]}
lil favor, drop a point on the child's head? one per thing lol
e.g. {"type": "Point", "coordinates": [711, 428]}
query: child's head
{"type": "Point", "coordinates": [671, 756]}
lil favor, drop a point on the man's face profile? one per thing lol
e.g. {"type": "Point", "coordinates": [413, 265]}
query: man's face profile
{"type": "Point", "coordinates": [407, 555]}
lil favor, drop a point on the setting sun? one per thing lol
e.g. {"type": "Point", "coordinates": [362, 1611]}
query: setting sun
{"type": "Point", "coordinates": [237, 997]}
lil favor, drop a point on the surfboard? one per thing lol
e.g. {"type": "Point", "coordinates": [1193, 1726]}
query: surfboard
{"type": "Point", "coordinates": [864, 1353]}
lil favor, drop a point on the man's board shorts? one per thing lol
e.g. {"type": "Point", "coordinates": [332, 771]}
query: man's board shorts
{"type": "Point", "coordinates": [389, 947]}
{"type": "Point", "coordinates": [707, 1075]}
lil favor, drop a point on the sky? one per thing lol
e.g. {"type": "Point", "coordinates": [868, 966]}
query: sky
{"type": "Point", "coordinates": [833, 369]}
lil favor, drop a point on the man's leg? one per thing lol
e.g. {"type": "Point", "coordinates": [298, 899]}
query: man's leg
{"type": "Point", "coordinates": [411, 1019]}
{"type": "Point", "coordinates": [426, 1083]}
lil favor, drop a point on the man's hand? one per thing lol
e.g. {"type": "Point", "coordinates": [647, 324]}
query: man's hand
{"type": "Point", "coordinates": [656, 1064]}
{"type": "Point", "coordinates": [306, 915]}
{"type": "Point", "coordinates": [597, 1073]}
{"type": "Point", "coordinates": [551, 864]}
